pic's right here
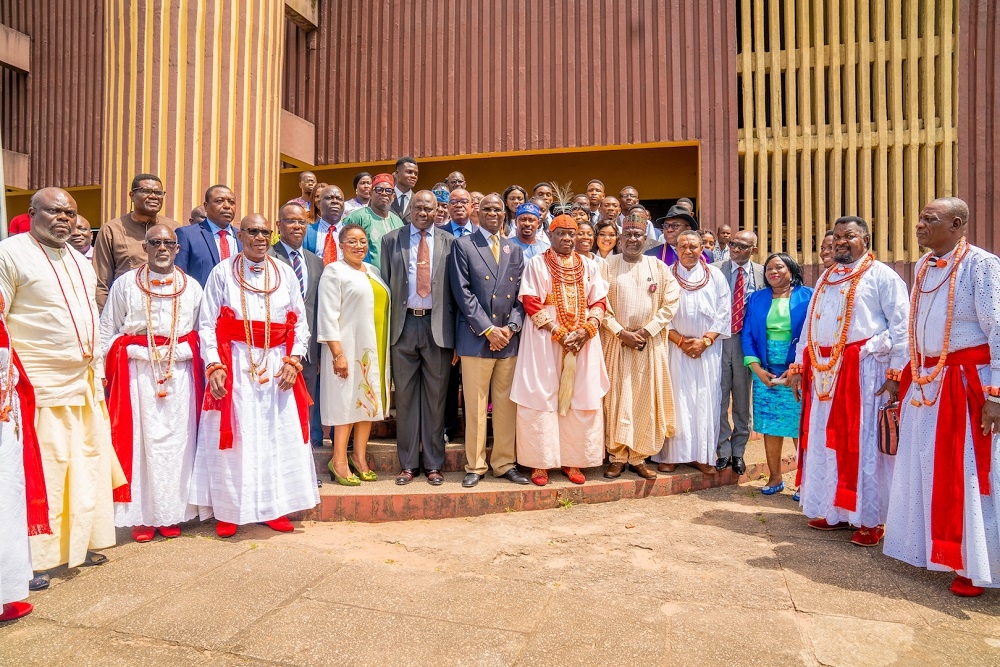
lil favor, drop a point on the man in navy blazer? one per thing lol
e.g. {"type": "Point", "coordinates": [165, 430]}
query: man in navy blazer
{"type": "Point", "coordinates": [204, 245]}
{"type": "Point", "coordinates": [485, 279]}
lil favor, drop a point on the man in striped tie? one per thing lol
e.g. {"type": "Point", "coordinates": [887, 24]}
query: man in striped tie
{"type": "Point", "coordinates": [744, 278]}
{"type": "Point", "coordinates": [292, 222]}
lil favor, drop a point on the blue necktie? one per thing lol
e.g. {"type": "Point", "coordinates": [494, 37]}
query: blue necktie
{"type": "Point", "coordinates": [297, 265]}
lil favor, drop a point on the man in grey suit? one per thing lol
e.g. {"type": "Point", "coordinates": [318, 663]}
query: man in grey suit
{"type": "Point", "coordinates": [308, 267]}
{"type": "Point", "coordinates": [421, 334]}
{"type": "Point", "coordinates": [485, 280]}
{"type": "Point", "coordinates": [744, 278]}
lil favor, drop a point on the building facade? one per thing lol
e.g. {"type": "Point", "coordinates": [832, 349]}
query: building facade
{"type": "Point", "coordinates": [776, 115]}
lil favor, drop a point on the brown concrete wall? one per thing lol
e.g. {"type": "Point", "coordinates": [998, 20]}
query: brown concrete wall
{"type": "Point", "coordinates": [492, 76]}
{"type": "Point", "coordinates": [55, 114]}
{"type": "Point", "coordinates": [979, 118]}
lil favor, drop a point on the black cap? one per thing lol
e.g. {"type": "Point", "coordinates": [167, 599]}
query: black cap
{"type": "Point", "coordinates": [681, 213]}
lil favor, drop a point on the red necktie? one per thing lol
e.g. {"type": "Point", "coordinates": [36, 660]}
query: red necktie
{"type": "Point", "coordinates": [330, 246]}
{"type": "Point", "coordinates": [223, 244]}
{"type": "Point", "coordinates": [739, 292]}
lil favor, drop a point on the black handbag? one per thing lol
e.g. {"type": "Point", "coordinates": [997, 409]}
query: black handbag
{"type": "Point", "coordinates": [888, 428]}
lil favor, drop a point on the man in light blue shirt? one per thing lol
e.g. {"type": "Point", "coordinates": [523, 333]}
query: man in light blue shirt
{"type": "Point", "coordinates": [459, 210]}
{"type": "Point", "coordinates": [528, 217]}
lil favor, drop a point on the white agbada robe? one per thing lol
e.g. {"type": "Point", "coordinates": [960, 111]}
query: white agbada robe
{"type": "Point", "coordinates": [976, 321]}
{"type": "Point", "coordinates": [697, 383]}
{"type": "Point", "coordinates": [164, 430]}
{"type": "Point", "coordinates": [346, 314]}
{"type": "Point", "coordinates": [545, 438]}
{"type": "Point", "coordinates": [50, 294]}
{"type": "Point", "coordinates": [269, 471]}
{"type": "Point", "coordinates": [881, 309]}
{"type": "Point", "coordinates": [15, 554]}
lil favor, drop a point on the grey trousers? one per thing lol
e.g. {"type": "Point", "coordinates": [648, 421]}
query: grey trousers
{"type": "Point", "coordinates": [736, 390]}
{"type": "Point", "coordinates": [420, 370]}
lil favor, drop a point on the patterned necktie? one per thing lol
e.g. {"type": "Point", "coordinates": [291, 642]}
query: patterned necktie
{"type": "Point", "coordinates": [223, 244]}
{"type": "Point", "coordinates": [297, 265]}
{"type": "Point", "coordinates": [739, 291]}
{"type": "Point", "coordinates": [423, 266]}
{"type": "Point", "coordinates": [330, 246]}
{"type": "Point", "coordinates": [495, 247]}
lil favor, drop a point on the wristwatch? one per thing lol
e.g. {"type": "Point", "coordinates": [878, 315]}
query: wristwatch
{"type": "Point", "coordinates": [707, 340]}
{"type": "Point", "coordinates": [514, 329]}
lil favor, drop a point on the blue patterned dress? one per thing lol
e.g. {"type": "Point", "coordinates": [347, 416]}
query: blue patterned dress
{"type": "Point", "coordinates": [775, 410]}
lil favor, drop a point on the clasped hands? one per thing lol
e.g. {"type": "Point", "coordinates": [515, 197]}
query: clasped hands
{"type": "Point", "coordinates": [635, 340]}
{"type": "Point", "coordinates": [499, 337]}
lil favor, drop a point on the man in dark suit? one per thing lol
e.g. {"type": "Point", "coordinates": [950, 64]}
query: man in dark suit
{"type": "Point", "coordinates": [308, 268]}
{"type": "Point", "coordinates": [485, 280]}
{"type": "Point", "coordinates": [422, 335]}
{"type": "Point", "coordinates": [405, 178]}
{"type": "Point", "coordinates": [203, 246]}
{"type": "Point", "coordinates": [744, 278]}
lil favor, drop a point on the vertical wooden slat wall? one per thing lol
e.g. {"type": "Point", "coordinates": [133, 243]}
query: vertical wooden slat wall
{"type": "Point", "coordinates": [452, 78]}
{"type": "Point", "coordinates": [849, 108]}
{"type": "Point", "coordinates": [192, 94]}
{"type": "Point", "coordinates": [979, 119]}
{"type": "Point", "coordinates": [55, 113]}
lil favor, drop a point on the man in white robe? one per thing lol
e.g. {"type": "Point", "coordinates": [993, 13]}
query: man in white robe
{"type": "Point", "coordinates": [23, 503]}
{"type": "Point", "coordinates": [704, 315]}
{"type": "Point", "coordinates": [254, 463]}
{"type": "Point", "coordinates": [153, 392]}
{"type": "Point", "coordinates": [561, 427]}
{"type": "Point", "coordinates": [943, 509]}
{"type": "Point", "coordinates": [855, 332]}
{"type": "Point", "coordinates": [49, 295]}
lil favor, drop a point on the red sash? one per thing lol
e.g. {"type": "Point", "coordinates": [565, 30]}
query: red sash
{"type": "Point", "coordinates": [228, 330]}
{"type": "Point", "coordinates": [117, 377]}
{"type": "Point", "coordinates": [843, 428]}
{"type": "Point", "coordinates": [947, 492]}
{"type": "Point", "coordinates": [34, 475]}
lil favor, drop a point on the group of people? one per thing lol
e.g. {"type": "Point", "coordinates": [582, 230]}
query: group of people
{"type": "Point", "coordinates": [187, 369]}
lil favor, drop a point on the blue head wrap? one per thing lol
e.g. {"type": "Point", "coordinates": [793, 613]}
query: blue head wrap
{"type": "Point", "coordinates": [528, 207]}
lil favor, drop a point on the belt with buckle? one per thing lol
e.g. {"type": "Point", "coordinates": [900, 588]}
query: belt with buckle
{"type": "Point", "coordinates": [420, 312]}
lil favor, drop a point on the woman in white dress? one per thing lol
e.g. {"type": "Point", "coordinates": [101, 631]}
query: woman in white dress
{"type": "Point", "coordinates": [353, 321]}
{"type": "Point", "coordinates": [703, 316]}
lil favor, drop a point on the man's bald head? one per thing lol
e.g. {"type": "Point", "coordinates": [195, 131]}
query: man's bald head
{"type": "Point", "coordinates": [254, 220]}
{"type": "Point", "coordinates": [53, 216]}
{"type": "Point", "coordinates": [160, 232]}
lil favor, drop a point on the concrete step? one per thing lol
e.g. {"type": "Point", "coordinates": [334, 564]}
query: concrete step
{"type": "Point", "coordinates": [382, 500]}
{"type": "Point", "coordinates": [382, 457]}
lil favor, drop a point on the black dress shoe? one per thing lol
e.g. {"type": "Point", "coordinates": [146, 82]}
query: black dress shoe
{"type": "Point", "coordinates": [739, 467]}
{"type": "Point", "coordinates": [516, 476]}
{"type": "Point", "coordinates": [40, 582]}
{"type": "Point", "coordinates": [471, 479]}
{"type": "Point", "coordinates": [722, 463]}
{"type": "Point", "coordinates": [405, 476]}
{"type": "Point", "coordinates": [435, 478]}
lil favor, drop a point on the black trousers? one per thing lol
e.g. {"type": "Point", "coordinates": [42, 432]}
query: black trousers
{"type": "Point", "coordinates": [420, 370]}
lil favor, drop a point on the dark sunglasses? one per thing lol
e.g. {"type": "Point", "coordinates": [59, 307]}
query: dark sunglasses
{"type": "Point", "coordinates": [162, 243]}
{"type": "Point", "coordinates": [254, 233]}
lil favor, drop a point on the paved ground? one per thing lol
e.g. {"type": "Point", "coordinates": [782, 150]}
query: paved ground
{"type": "Point", "coordinates": [719, 577]}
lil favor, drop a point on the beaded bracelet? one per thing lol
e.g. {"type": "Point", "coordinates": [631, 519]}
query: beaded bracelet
{"type": "Point", "coordinates": [289, 360]}
{"type": "Point", "coordinates": [591, 329]}
{"type": "Point", "coordinates": [992, 391]}
{"type": "Point", "coordinates": [559, 333]}
{"type": "Point", "coordinates": [893, 375]}
{"type": "Point", "coordinates": [794, 369]}
{"type": "Point", "coordinates": [217, 366]}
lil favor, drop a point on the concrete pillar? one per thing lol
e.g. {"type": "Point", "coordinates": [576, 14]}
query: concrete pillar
{"type": "Point", "coordinates": [193, 94]}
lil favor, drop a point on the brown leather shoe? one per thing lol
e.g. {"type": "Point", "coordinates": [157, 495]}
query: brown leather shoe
{"type": "Point", "coordinates": [405, 476]}
{"type": "Point", "coordinates": [643, 471]}
{"type": "Point", "coordinates": [435, 478]}
{"type": "Point", "coordinates": [666, 467]}
{"type": "Point", "coordinates": [614, 470]}
{"type": "Point", "coordinates": [703, 468]}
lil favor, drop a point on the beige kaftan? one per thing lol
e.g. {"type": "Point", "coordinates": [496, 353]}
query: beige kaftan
{"type": "Point", "coordinates": [639, 408]}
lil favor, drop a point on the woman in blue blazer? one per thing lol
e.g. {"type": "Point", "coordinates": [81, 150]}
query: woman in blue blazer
{"type": "Point", "coordinates": [771, 330]}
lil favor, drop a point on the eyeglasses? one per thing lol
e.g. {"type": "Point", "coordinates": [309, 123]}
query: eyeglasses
{"type": "Point", "coordinates": [254, 233]}
{"type": "Point", "coordinates": [458, 184]}
{"type": "Point", "coordinates": [300, 223]}
{"type": "Point", "coordinates": [736, 245]}
{"type": "Point", "coordinates": [674, 226]}
{"type": "Point", "coordinates": [354, 243]}
{"type": "Point", "coordinates": [162, 243]}
{"type": "Point", "coordinates": [383, 191]}
{"type": "Point", "coordinates": [459, 202]}
{"type": "Point", "coordinates": [150, 191]}
{"type": "Point", "coordinates": [490, 209]}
